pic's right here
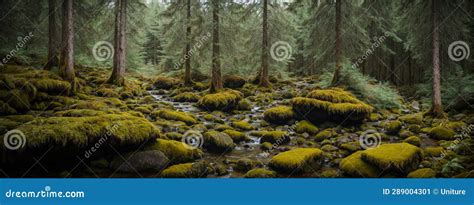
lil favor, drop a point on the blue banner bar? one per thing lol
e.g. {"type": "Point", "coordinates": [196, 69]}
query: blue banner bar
{"type": "Point", "coordinates": [237, 191]}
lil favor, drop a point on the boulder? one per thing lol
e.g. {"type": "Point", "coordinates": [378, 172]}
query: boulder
{"type": "Point", "coordinates": [399, 157]}
{"type": "Point", "coordinates": [151, 160]}
{"type": "Point", "coordinates": [218, 142]}
{"type": "Point", "coordinates": [297, 160]}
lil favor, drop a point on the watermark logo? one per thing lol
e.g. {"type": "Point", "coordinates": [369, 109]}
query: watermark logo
{"type": "Point", "coordinates": [281, 51]}
{"type": "Point", "coordinates": [370, 139]}
{"type": "Point", "coordinates": [22, 41]}
{"type": "Point", "coordinates": [458, 51]}
{"type": "Point", "coordinates": [14, 139]}
{"type": "Point", "coordinates": [377, 42]}
{"type": "Point", "coordinates": [192, 139]}
{"type": "Point", "coordinates": [103, 50]}
{"type": "Point", "coordinates": [193, 50]}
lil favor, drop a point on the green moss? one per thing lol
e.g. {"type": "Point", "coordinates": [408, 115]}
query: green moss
{"type": "Point", "coordinates": [306, 127]}
{"type": "Point", "coordinates": [19, 100]}
{"type": "Point", "coordinates": [187, 170]}
{"type": "Point", "coordinates": [393, 126]}
{"type": "Point", "coordinates": [174, 136]}
{"type": "Point", "coordinates": [260, 173]}
{"type": "Point", "coordinates": [273, 137]}
{"type": "Point", "coordinates": [51, 86]}
{"type": "Point", "coordinates": [434, 151]}
{"type": "Point", "coordinates": [80, 113]}
{"type": "Point", "coordinates": [325, 134]}
{"type": "Point", "coordinates": [233, 81]}
{"type": "Point", "coordinates": [416, 118]}
{"type": "Point", "coordinates": [331, 105]}
{"type": "Point", "coordinates": [244, 105]}
{"type": "Point", "coordinates": [226, 100]}
{"type": "Point", "coordinates": [245, 164]}
{"type": "Point", "coordinates": [351, 146]}
{"type": "Point", "coordinates": [414, 140]}
{"type": "Point", "coordinates": [176, 151]}
{"type": "Point", "coordinates": [107, 92]}
{"type": "Point", "coordinates": [354, 166]}
{"type": "Point", "coordinates": [266, 146]}
{"type": "Point", "coordinates": [401, 157]}
{"type": "Point", "coordinates": [422, 173]}
{"type": "Point", "coordinates": [297, 160]}
{"type": "Point", "coordinates": [442, 133]}
{"type": "Point", "coordinates": [242, 125]}
{"type": "Point", "coordinates": [279, 114]}
{"type": "Point", "coordinates": [162, 82]}
{"type": "Point", "coordinates": [237, 136]}
{"type": "Point", "coordinates": [375, 117]}
{"type": "Point", "coordinates": [218, 142]}
{"type": "Point", "coordinates": [187, 118]}
{"type": "Point", "coordinates": [5, 109]}
{"type": "Point", "coordinates": [143, 109]}
{"type": "Point", "coordinates": [329, 148]}
{"type": "Point", "coordinates": [186, 97]}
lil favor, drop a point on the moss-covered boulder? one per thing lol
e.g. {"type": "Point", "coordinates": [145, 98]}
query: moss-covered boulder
{"type": "Point", "coordinates": [166, 114]}
{"type": "Point", "coordinates": [237, 136]}
{"type": "Point", "coordinates": [278, 115]}
{"type": "Point", "coordinates": [162, 82]}
{"type": "Point", "coordinates": [218, 142]}
{"type": "Point", "coordinates": [244, 105]}
{"type": "Point", "coordinates": [414, 140]}
{"type": "Point", "coordinates": [331, 105]}
{"type": "Point", "coordinates": [354, 166]}
{"type": "Point", "coordinates": [325, 134]}
{"type": "Point", "coordinates": [242, 125]}
{"type": "Point", "coordinates": [306, 127]}
{"type": "Point", "coordinates": [187, 170]}
{"type": "Point", "coordinates": [416, 118]}
{"type": "Point", "coordinates": [176, 151]}
{"type": "Point", "coordinates": [273, 137]}
{"type": "Point", "coordinates": [442, 133]}
{"type": "Point", "coordinates": [225, 100]}
{"type": "Point", "coordinates": [297, 160]}
{"type": "Point", "coordinates": [392, 126]}
{"type": "Point", "coordinates": [422, 173]}
{"type": "Point", "coordinates": [187, 97]}
{"type": "Point", "coordinates": [233, 81]}
{"type": "Point", "coordinates": [143, 161]}
{"type": "Point", "coordinates": [260, 173]}
{"type": "Point", "coordinates": [399, 157]}
{"type": "Point", "coordinates": [245, 164]}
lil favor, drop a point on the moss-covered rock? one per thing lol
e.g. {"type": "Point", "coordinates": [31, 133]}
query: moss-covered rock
{"type": "Point", "coordinates": [187, 118]}
{"type": "Point", "coordinates": [6, 109]}
{"type": "Point", "coordinates": [186, 97]}
{"type": "Point", "coordinates": [422, 173]}
{"type": "Point", "coordinates": [176, 151]}
{"type": "Point", "coordinates": [237, 136]}
{"type": "Point", "coordinates": [279, 114]}
{"type": "Point", "coordinates": [218, 142]}
{"type": "Point", "coordinates": [331, 105]}
{"type": "Point", "coordinates": [244, 105]}
{"type": "Point", "coordinates": [246, 164]}
{"type": "Point", "coordinates": [434, 151]}
{"type": "Point", "coordinates": [142, 161]}
{"type": "Point", "coordinates": [187, 170]}
{"type": "Point", "coordinates": [392, 126]}
{"type": "Point", "coordinates": [242, 125]}
{"type": "Point", "coordinates": [52, 86]}
{"type": "Point", "coordinates": [325, 134]}
{"type": "Point", "coordinates": [414, 140]}
{"type": "Point", "coordinates": [416, 118]}
{"type": "Point", "coordinates": [297, 160]}
{"type": "Point", "coordinates": [306, 127]}
{"type": "Point", "coordinates": [162, 82]}
{"type": "Point", "coordinates": [260, 173]}
{"type": "Point", "coordinates": [442, 133]}
{"type": "Point", "coordinates": [233, 81]}
{"type": "Point", "coordinates": [266, 146]}
{"type": "Point", "coordinates": [273, 137]}
{"type": "Point", "coordinates": [225, 100]}
{"type": "Point", "coordinates": [354, 166]}
{"type": "Point", "coordinates": [400, 157]}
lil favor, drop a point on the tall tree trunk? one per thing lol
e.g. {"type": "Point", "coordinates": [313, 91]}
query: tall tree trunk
{"type": "Point", "coordinates": [118, 72]}
{"type": "Point", "coordinates": [53, 36]}
{"type": "Point", "coordinates": [216, 81]}
{"type": "Point", "coordinates": [187, 73]}
{"type": "Point", "coordinates": [338, 47]}
{"type": "Point", "coordinates": [264, 79]}
{"type": "Point", "coordinates": [66, 69]}
{"type": "Point", "coordinates": [436, 107]}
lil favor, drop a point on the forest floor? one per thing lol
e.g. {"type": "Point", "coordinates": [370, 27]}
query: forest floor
{"type": "Point", "coordinates": [156, 127]}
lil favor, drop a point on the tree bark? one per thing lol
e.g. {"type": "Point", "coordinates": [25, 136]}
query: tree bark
{"type": "Point", "coordinates": [216, 81]}
{"type": "Point", "coordinates": [66, 70]}
{"type": "Point", "coordinates": [118, 72]}
{"type": "Point", "coordinates": [436, 107]}
{"type": "Point", "coordinates": [187, 73]}
{"type": "Point", "coordinates": [338, 47]}
{"type": "Point", "coordinates": [264, 79]}
{"type": "Point", "coordinates": [53, 36]}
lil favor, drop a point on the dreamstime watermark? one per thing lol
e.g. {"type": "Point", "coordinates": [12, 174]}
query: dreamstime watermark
{"type": "Point", "coordinates": [377, 42]}
{"type": "Point", "coordinates": [281, 51]}
{"type": "Point", "coordinates": [458, 51]}
{"type": "Point", "coordinates": [192, 139]}
{"type": "Point", "coordinates": [280, 141]}
{"type": "Point", "coordinates": [22, 40]}
{"type": "Point", "coordinates": [45, 193]}
{"type": "Point", "coordinates": [103, 50]}
{"type": "Point", "coordinates": [192, 51]}
{"type": "Point", "coordinates": [14, 139]}
{"type": "Point", "coordinates": [465, 133]}
{"type": "Point", "coordinates": [370, 139]}
{"type": "Point", "coordinates": [109, 132]}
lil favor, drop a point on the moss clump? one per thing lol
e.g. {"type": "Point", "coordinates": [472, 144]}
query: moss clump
{"type": "Point", "coordinates": [143, 109]}
{"type": "Point", "coordinates": [5, 109]}
{"type": "Point", "coordinates": [233, 81]}
{"type": "Point", "coordinates": [166, 114]}
{"type": "Point", "coordinates": [176, 151]}
{"type": "Point", "coordinates": [107, 92]}
{"type": "Point", "coordinates": [392, 127]}
{"type": "Point", "coordinates": [297, 160]}
{"type": "Point", "coordinates": [416, 118]}
{"type": "Point", "coordinates": [354, 166]}
{"type": "Point", "coordinates": [245, 164]}
{"type": "Point", "coordinates": [325, 134]}
{"type": "Point", "coordinates": [19, 100]}
{"type": "Point", "coordinates": [218, 142]}
{"type": "Point", "coordinates": [434, 151]}
{"type": "Point", "coordinates": [51, 86]}
{"type": "Point", "coordinates": [226, 100]}
{"type": "Point", "coordinates": [244, 105]}
{"type": "Point", "coordinates": [279, 114]}
{"type": "Point", "coordinates": [422, 173]}
{"type": "Point", "coordinates": [186, 97]}
{"type": "Point", "coordinates": [260, 173]}
{"type": "Point", "coordinates": [331, 105]}
{"type": "Point", "coordinates": [124, 129]}
{"type": "Point", "coordinates": [236, 136]}
{"type": "Point", "coordinates": [187, 170]}
{"type": "Point", "coordinates": [442, 133]}
{"type": "Point", "coordinates": [81, 113]}
{"type": "Point", "coordinates": [373, 117]}
{"type": "Point", "coordinates": [266, 146]}
{"type": "Point", "coordinates": [273, 137]}
{"type": "Point", "coordinates": [162, 82]}
{"type": "Point", "coordinates": [401, 157]}
{"type": "Point", "coordinates": [242, 125]}
{"type": "Point", "coordinates": [306, 127]}
{"type": "Point", "coordinates": [414, 140]}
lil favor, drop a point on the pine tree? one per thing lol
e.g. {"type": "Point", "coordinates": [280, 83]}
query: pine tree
{"type": "Point", "coordinates": [118, 72]}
